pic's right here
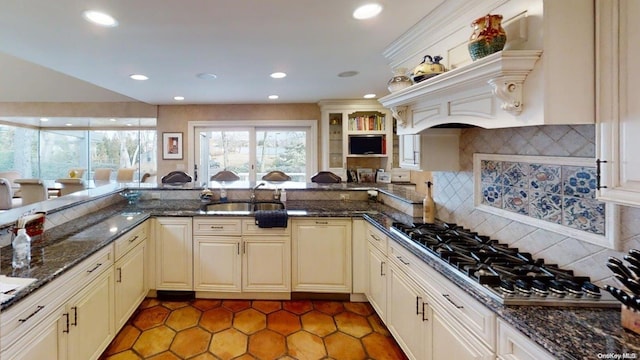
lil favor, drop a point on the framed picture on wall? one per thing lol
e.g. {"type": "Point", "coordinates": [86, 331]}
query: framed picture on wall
{"type": "Point", "coordinates": [172, 145]}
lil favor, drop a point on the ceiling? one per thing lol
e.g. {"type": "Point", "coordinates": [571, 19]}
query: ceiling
{"type": "Point", "coordinates": [50, 53]}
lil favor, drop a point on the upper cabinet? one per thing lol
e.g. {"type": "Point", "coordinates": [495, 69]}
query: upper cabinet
{"type": "Point", "coordinates": [535, 80]}
{"type": "Point", "coordinates": [618, 116]}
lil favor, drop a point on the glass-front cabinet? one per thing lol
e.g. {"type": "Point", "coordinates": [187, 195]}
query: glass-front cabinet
{"type": "Point", "coordinates": [356, 134]}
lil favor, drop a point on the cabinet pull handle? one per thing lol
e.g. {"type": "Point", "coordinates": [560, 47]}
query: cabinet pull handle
{"type": "Point", "coordinates": [446, 296]}
{"type": "Point", "coordinates": [66, 330]}
{"type": "Point", "coordinates": [37, 310]}
{"type": "Point", "coordinates": [94, 268]}
{"type": "Point", "coordinates": [376, 238]}
{"type": "Point", "coordinates": [244, 248]}
{"type": "Point", "coordinates": [418, 301]}
{"type": "Point", "coordinates": [238, 248]}
{"type": "Point", "coordinates": [322, 223]}
{"type": "Point", "coordinates": [133, 239]}
{"type": "Point", "coordinates": [382, 268]}
{"type": "Point", "coordinates": [75, 316]}
{"type": "Point", "coordinates": [424, 313]}
{"type": "Point", "coordinates": [119, 275]}
{"type": "Point", "coordinates": [217, 227]}
{"type": "Point", "coordinates": [402, 260]}
{"type": "Point", "coordinates": [598, 177]}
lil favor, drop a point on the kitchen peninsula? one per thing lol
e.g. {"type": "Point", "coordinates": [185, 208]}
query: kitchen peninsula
{"type": "Point", "coordinates": [103, 218]}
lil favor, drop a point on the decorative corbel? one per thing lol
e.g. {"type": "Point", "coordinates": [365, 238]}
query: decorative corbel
{"type": "Point", "coordinates": [509, 90]}
{"type": "Point", "coordinates": [400, 113]}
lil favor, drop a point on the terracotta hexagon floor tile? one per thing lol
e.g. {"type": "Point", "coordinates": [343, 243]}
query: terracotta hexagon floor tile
{"type": "Point", "coordinates": [344, 347]}
{"type": "Point", "coordinates": [124, 340]}
{"type": "Point", "coordinates": [267, 344]}
{"type": "Point", "coordinates": [167, 355]}
{"type": "Point", "coordinates": [127, 355]}
{"type": "Point", "coordinates": [236, 305]}
{"type": "Point", "coordinates": [329, 307]}
{"type": "Point", "coordinates": [318, 323]}
{"type": "Point", "coordinates": [382, 347]}
{"type": "Point", "coordinates": [216, 319]}
{"type": "Point", "coordinates": [151, 317]}
{"type": "Point", "coordinates": [191, 342]}
{"type": "Point", "coordinates": [353, 324]}
{"type": "Point", "coordinates": [175, 304]}
{"type": "Point", "coordinates": [266, 307]}
{"type": "Point", "coordinates": [305, 346]}
{"type": "Point", "coordinates": [205, 356]}
{"type": "Point", "coordinates": [154, 341]}
{"type": "Point", "coordinates": [228, 344]}
{"type": "Point", "coordinates": [205, 304]}
{"type": "Point", "coordinates": [149, 302]}
{"type": "Point", "coordinates": [250, 321]}
{"type": "Point", "coordinates": [283, 322]}
{"type": "Point", "coordinates": [377, 325]}
{"type": "Point", "coordinates": [246, 357]}
{"type": "Point", "coordinates": [360, 308]}
{"type": "Point", "coordinates": [183, 318]}
{"type": "Point", "coordinates": [298, 307]}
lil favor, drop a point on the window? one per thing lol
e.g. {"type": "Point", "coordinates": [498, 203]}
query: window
{"type": "Point", "coordinates": [253, 151]}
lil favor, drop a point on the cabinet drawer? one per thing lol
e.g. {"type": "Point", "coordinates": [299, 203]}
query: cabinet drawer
{"type": "Point", "coordinates": [512, 344]}
{"type": "Point", "coordinates": [249, 227]}
{"type": "Point", "coordinates": [377, 238]}
{"type": "Point", "coordinates": [129, 240]}
{"type": "Point", "coordinates": [217, 226]}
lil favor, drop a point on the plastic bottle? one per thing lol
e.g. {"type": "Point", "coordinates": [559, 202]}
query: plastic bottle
{"type": "Point", "coordinates": [429, 206]}
{"type": "Point", "coordinates": [283, 196]}
{"type": "Point", "coordinates": [223, 195]}
{"type": "Point", "coordinates": [21, 250]}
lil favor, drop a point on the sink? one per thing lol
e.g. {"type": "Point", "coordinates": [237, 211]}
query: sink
{"type": "Point", "coordinates": [243, 206]}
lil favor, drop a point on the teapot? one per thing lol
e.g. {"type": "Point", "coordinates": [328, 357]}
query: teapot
{"type": "Point", "coordinates": [426, 70]}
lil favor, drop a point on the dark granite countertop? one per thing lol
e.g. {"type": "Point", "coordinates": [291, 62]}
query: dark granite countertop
{"type": "Point", "coordinates": [568, 333]}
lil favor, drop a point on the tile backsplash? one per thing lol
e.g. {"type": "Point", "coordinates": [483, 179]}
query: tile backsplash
{"type": "Point", "coordinates": [454, 196]}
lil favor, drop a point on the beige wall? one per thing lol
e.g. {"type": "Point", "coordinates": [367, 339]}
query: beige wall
{"type": "Point", "coordinates": [175, 118]}
{"type": "Point", "coordinates": [72, 109]}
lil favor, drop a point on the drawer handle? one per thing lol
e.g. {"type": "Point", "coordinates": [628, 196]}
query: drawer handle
{"type": "Point", "coordinates": [133, 239]}
{"type": "Point", "coordinates": [382, 268]}
{"type": "Point", "coordinates": [75, 316]}
{"type": "Point", "coordinates": [94, 268]}
{"type": "Point", "coordinates": [66, 330]}
{"type": "Point", "coordinates": [217, 227]}
{"type": "Point", "coordinates": [418, 301]}
{"type": "Point", "coordinates": [402, 260]}
{"type": "Point", "coordinates": [446, 296]}
{"type": "Point", "coordinates": [40, 307]}
{"type": "Point", "coordinates": [424, 313]}
{"type": "Point", "coordinates": [322, 223]}
{"type": "Point", "coordinates": [376, 238]}
{"type": "Point", "coordinates": [119, 275]}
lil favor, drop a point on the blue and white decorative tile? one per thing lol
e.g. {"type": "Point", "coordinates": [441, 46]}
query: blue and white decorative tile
{"type": "Point", "coordinates": [492, 195]}
{"type": "Point", "coordinates": [547, 178]}
{"type": "Point", "coordinates": [545, 206]}
{"type": "Point", "coordinates": [515, 174]}
{"type": "Point", "coordinates": [515, 200]}
{"type": "Point", "coordinates": [490, 171]}
{"type": "Point", "coordinates": [579, 181]}
{"type": "Point", "coordinates": [584, 214]}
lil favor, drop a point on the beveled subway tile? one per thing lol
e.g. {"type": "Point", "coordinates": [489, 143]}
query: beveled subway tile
{"type": "Point", "coordinates": [217, 319]}
{"type": "Point", "coordinates": [267, 344]}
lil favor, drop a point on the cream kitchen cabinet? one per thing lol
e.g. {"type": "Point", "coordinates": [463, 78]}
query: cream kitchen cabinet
{"type": "Point", "coordinates": [173, 241]}
{"type": "Point", "coordinates": [130, 285]}
{"type": "Point", "coordinates": [359, 261]}
{"type": "Point", "coordinates": [377, 270]}
{"type": "Point", "coordinates": [618, 116]}
{"type": "Point", "coordinates": [450, 340]}
{"type": "Point", "coordinates": [321, 255]}
{"type": "Point", "coordinates": [513, 345]}
{"type": "Point", "coordinates": [432, 150]}
{"type": "Point", "coordinates": [235, 255]}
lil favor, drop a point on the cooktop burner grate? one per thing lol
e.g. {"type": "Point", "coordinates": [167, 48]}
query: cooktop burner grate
{"type": "Point", "coordinates": [505, 273]}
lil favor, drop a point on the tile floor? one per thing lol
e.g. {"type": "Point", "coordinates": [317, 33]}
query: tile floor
{"type": "Point", "coordinates": [239, 329]}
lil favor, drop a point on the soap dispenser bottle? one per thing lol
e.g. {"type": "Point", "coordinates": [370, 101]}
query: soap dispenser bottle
{"type": "Point", "coordinates": [429, 206]}
{"type": "Point", "coordinates": [21, 250]}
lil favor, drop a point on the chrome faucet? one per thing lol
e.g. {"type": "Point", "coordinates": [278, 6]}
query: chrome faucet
{"type": "Point", "coordinates": [252, 195]}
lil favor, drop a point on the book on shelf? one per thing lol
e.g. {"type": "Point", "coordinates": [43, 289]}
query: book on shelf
{"type": "Point", "coordinates": [367, 123]}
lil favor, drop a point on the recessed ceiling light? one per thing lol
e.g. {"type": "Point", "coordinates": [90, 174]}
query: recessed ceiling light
{"type": "Point", "coordinates": [128, 124]}
{"type": "Point", "coordinates": [348, 73]}
{"type": "Point", "coordinates": [178, 98]}
{"type": "Point", "coordinates": [112, 119]}
{"type": "Point", "coordinates": [278, 75]}
{"type": "Point", "coordinates": [273, 97]}
{"type": "Point", "coordinates": [206, 76]}
{"type": "Point", "coordinates": [367, 11]}
{"type": "Point", "coordinates": [44, 119]}
{"type": "Point", "coordinates": [369, 96]}
{"type": "Point", "coordinates": [138, 77]}
{"type": "Point", "coordinates": [100, 18]}
{"type": "Point", "coordinates": [69, 124]}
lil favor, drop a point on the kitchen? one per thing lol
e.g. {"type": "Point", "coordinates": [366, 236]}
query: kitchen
{"type": "Point", "coordinates": [454, 190]}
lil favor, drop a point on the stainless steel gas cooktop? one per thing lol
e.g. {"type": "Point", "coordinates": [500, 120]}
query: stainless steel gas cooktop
{"type": "Point", "coordinates": [504, 273]}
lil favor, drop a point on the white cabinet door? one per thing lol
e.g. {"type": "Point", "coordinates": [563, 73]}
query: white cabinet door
{"type": "Point", "coordinates": [174, 263]}
{"type": "Point", "coordinates": [321, 255]}
{"type": "Point", "coordinates": [377, 281]}
{"type": "Point", "coordinates": [513, 345]}
{"type": "Point", "coordinates": [410, 151]}
{"type": "Point", "coordinates": [91, 319]}
{"type": "Point", "coordinates": [406, 317]}
{"type": "Point", "coordinates": [450, 341]}
{"type": "Point", "coordinates": [130, 287]}
{"type": "Point", "coordinates": [359, 246]}
{"type": "Point", "coordinates": [266, 264]}
{"type": "Point", "coordinates": [619, 111]}
{"type": "Point", "coordinates": [43, 342]}
{"type": "Point", "coordinates": [218, 263]}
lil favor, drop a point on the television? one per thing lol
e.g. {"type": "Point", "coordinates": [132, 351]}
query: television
{"type": "Point", "coordinates": [367, 145]}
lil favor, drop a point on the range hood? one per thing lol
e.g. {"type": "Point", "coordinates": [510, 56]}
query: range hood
{"type": "Point", "coordinates": [534, 81]}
